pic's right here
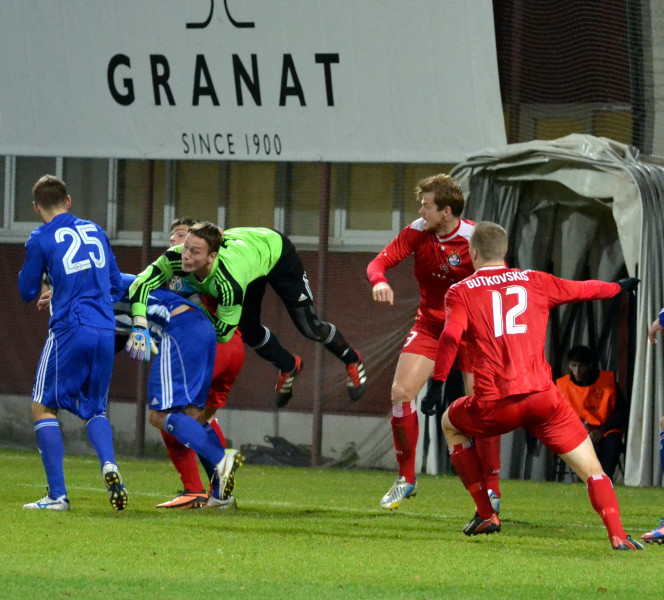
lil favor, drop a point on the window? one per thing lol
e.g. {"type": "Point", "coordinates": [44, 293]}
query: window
{"type": "Point", "coordinates": [251, 195]}
{"type": "Point", "coordinates": [87, 184]}
{"type": "Point", "coordinates": [28, 170]}
{"type": "Point", "coordinates": [198, 190]}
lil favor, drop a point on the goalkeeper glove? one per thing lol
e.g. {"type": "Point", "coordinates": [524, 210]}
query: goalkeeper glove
{"type": "Point", "coordinates": [433, 399]}
{"type": "Point", "coordinates": [628, 284]}
{"type": "Point", "coordinates": [139, 345]}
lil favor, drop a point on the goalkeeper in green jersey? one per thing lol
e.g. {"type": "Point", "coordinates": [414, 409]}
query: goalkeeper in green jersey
{"type": "Point", "coordinates": [235, 268]}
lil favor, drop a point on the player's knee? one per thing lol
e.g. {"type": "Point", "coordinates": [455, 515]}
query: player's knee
{"type": "Point", "coordinates": [402, 393]}
{"type": "Point", "coordinates": [310, 326]}
{"type": "Point", "coordinates": [254, 337]}
{"type": "Point", "coordinates": [156, 419]}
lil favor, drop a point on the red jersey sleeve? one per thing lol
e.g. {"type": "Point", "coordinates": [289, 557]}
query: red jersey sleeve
{"type": "Point", "coordinates": [456, 322]}
{"type": "Point", "coordinates": [562, 291]}
{"type": "Point", "coordinates": [396, 251]}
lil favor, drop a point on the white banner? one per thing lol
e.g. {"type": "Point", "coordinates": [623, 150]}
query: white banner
{"type": "Point", "coordinates": [285, 80]}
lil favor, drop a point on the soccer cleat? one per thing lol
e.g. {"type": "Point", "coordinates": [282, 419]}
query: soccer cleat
{"type": "Point", "coordinates": [656, 536]}
{"type": "Point", "coordinates": [627, 544]}
{"type": "Point", "coordinates": [495, 501]}
{"type": "Point", "coordinates": [398, 493]}
{"type": "Point", "coordinates": [284, 387]}
{"type": "Point", "coordinates": [186, 499]}
{"type": "Point", "coordinates": [117, 494]}
{"type": "Point", "coordinates": [229, 504]}
{"type": "Point", "coordinates": [356, 378]}
{"type": "Point", "coordinates": [225, 473]}
{"type": "Point", "coordinates": [48, 503]}
{"type": "Point", "coordinates": [479, 525]}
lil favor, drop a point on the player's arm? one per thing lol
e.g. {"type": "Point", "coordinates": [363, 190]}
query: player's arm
{"type": "Point", "coordinates": [30, 276]}
{"type": "Point", "coordinates": [456, 322]}
{"type": "Point", "coordinates": [562, 291]}
{"type": "Point", "coordinates": [657, 326]}
{"type": "Point", "coordinates": [156, 275]}
{"type": "Point", "coordinates": [139, 344]}
{"type": "Point", "coordinates": [396, 251]}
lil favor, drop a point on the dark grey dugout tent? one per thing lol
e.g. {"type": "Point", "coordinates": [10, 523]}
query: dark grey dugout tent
{"type": "Point", "coordinates": [586, 207]}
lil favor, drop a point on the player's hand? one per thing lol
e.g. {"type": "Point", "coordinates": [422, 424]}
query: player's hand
{"type": "Point", "coordinates": [139, 345]}
{"type": "Point", "coordinates": [382, 292]}
{"type": "Point", "coordinates": [433, 399]}
{"type": "Point", "coordinates": [44, 301]}
{"type": "Point", "coordinates": [628, 284]}
{"type": "Point", "coordinates": [652, 332]}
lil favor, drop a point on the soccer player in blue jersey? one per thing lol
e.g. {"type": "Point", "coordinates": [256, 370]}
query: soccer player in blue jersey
{"type": "Point", "coordinates": [656, 536]}
{"type": "Point", "coordinates": [74, 256]}
{"type": "Point", "coordinates": [185, 343]}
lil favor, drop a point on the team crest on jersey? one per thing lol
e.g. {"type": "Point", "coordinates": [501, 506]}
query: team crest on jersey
{"type": "Point", "coordinates": [454, 259]}
{"type": "Point", "coordinates": [175, 284]}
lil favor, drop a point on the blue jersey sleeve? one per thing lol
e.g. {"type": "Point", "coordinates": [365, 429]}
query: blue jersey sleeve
{"type": "Point", "coordinates": [32, 271]}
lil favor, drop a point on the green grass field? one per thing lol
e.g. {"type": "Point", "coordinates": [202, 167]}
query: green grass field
{"type": "Point", "coordinates": [311, 533]}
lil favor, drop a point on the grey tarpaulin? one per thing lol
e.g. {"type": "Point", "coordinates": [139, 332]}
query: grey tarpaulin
{"type": "Point", "coordinates": [586, 207]}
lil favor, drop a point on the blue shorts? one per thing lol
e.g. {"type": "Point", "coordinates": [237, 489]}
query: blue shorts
{"type": "Point", "coordinates": [181, 372]}
{"type": "Point", "coordinates": [75, 370]}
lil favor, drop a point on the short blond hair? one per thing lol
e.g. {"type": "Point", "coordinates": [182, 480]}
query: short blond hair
{"type": "Point", "coordinates": [446, 192]}
{"type": "Point", "coordinates": [490, 241]}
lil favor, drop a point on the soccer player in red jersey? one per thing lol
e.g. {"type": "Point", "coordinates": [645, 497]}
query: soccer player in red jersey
{"type": "Point", "coordinates": [438, 240]}
{"type": "Point", "coordinates": [504, 314]}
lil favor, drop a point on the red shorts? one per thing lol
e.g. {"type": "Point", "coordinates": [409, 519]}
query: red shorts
{"type": "Point", "coordinates": [544, 414]}
{"type": "Point", "coordinates": [228, 361]}
{"type": "Point", "coordinates": [425, 343]}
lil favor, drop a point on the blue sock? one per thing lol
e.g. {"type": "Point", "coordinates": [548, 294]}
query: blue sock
{"type": "Point", "coordinates": [209, 466]}
{"type": "Point", "coordinates": [100, 435]}
{"type": "Point", "coordinates": [52, 450]}
{"type": "Point", "coordinates": [661, 450]}
{"type": "Point", "coordinates": [190, 432]}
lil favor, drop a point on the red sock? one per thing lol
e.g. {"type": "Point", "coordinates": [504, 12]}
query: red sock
{"type": "Point", "coordinates": [184, 461]}
{"type": "Point", "coordinates": [604, 501]}
{"type": "Point", "coordinates": [405, 431]}
{"type": "Point", "coordinates": [488, 449]}
{"type": "Point", "coordinates": [467, 463]}
{"type": "Point", "coordinates": [217, 429]}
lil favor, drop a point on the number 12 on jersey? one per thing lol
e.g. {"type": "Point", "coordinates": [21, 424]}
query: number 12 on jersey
{"type": "Point", "coordinates": [505, 322]}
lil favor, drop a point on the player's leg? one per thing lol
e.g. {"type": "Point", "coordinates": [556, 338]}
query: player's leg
{"type": "Point", "coordinates": [488, 449]}
{"type": "Point", "coordinates": [656, 536]}
{"type": "Point", "coordinates": [468, 466]}
{"type": "Point", "coordinates": [46, 426]}
{"type": "Point", "coordinates": [311, 327]}
{"type": "Point", "coordinates": [229, 359]}
{"type": "Point", "coordinates": [559, 428]}
{"type": "Point", "coordinates": [289, 280]}
{"type": "Point", "coordinates": [266, 344]}
{"type": "Point", "coordinates": [585, 464]}
{"type": "Point", "coordinates": [97, 347]}
{"type": "Point", "coordinates": [412, 372]}
{"type": "Point", "coordinates": [51, 450]}
{"type": "Point", "coordinates": [193, 493]}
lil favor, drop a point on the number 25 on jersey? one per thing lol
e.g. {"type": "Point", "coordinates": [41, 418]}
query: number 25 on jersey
{"type": "Point", "coordinates": [78, 237]}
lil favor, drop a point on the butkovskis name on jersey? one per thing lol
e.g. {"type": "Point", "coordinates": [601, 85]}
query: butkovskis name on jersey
{"type": "Point", "coordinates": [508, 277]}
